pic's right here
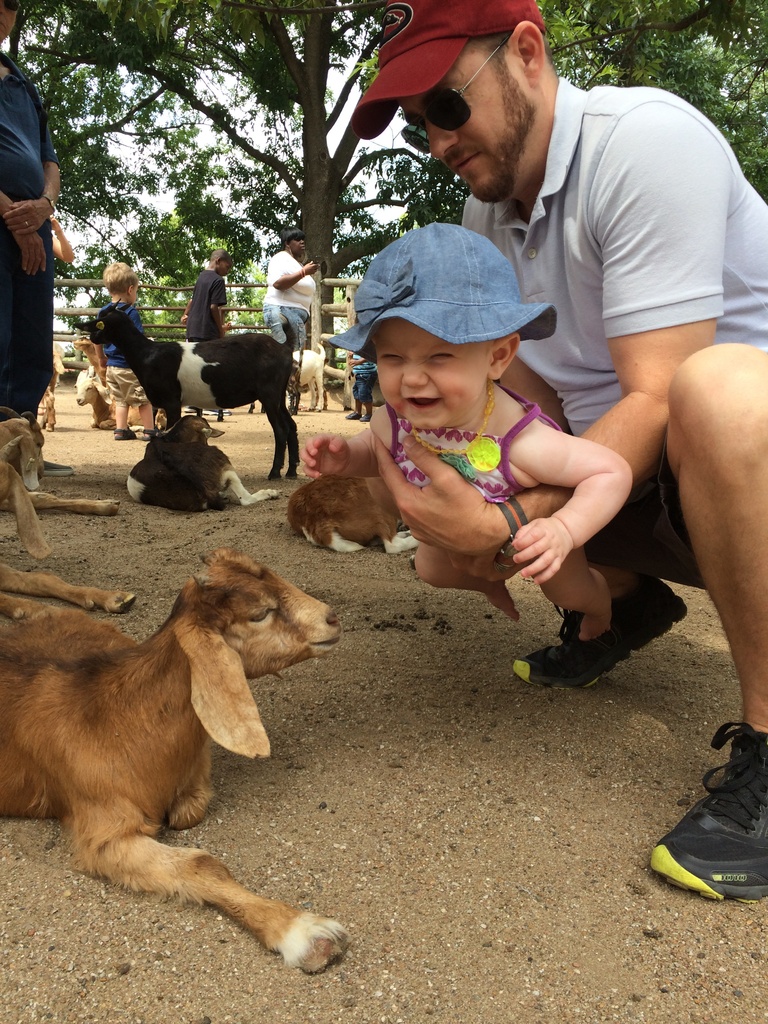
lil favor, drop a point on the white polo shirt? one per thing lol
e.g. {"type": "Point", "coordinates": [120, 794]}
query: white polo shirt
{"type": "Point", "coordinates": [644, 221]}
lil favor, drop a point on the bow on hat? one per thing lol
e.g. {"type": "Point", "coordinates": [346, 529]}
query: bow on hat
{"type": "Point", "coordinates": [376, 297]}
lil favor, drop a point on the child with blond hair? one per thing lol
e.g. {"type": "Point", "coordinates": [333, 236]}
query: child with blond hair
{"type": "Point", "coordinates": [122, 283]}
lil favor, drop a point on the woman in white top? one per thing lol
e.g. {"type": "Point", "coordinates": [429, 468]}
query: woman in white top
{"type": "Point", "coordinates": [290, 289]}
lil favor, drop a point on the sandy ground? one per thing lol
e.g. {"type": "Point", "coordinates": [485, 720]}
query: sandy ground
{"type": "Point", "coordinates": [485, 842]}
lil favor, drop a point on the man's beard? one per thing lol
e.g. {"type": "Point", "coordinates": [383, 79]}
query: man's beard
{"type": "Point", "coordinates": [520, 114]}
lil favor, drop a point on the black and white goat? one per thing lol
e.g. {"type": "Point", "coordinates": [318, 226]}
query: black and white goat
{"type": "Point", "coordinates": [222, 374]}
{"type": "Point", "coordinates": [181, 471]}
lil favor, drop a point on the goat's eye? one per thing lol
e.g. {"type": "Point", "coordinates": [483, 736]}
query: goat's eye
{"type": "Point", "coordinates": [261, 615]}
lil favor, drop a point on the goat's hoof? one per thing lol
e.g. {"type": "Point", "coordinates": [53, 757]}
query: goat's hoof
{"type": "Point", "coordinates": [274, 475]}
{"type": "Point", "coordinates": [291, 474]}
{"type": "Point", "coordinates": [118, 604]}
{"type": "Point", "coordinates": [312, 943]}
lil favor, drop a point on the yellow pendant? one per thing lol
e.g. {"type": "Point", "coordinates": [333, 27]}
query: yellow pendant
{"type": "Point", "coordinates": [483, 453]}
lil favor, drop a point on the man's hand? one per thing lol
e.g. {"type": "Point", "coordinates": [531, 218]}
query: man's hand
{"type": "Point", "coordinates": [448, 513]}
{"type": "Point", "coordinates": [27, 216]}
{"type": "Point", "coordinates": [451, 514]}
{"type": "Point", "coordinates": [32, 252]}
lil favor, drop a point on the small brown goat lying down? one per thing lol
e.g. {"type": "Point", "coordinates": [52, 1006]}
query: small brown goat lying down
{"type": "Point", "coordinates": [15, 498]}
{"type": "Point", "coordinates": [338, 513]}
{"type": "Point", "coordinates": [27, 455]}
{"type": "Point", "coordinates": [181, 471]}
{"type": "Point", "coordinates": [111, 736]}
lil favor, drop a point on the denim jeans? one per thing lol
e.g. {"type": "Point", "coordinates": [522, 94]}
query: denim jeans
{"type": "Point", "coordinates": [26, 325]}
{"type": "Point", "coordinates": [292, 329]}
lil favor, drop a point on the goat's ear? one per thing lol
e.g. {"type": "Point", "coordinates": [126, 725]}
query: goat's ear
{"type": "Point", "coordinates": [220, 694]}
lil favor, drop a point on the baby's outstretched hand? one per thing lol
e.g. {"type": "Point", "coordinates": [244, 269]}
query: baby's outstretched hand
{"type": "Point", "coordinates": [544, 543]}
{"type": "Point", "coordinates": [325, 454]}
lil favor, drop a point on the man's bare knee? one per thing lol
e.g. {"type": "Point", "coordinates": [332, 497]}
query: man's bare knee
{"type": "Point", "coordinates": [717, 405]}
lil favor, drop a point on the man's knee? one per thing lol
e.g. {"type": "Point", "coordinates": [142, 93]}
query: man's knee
{"type": "Point", "coordinates": [717, 401]}
{"type": "Point", "coordinates": [719, 384]}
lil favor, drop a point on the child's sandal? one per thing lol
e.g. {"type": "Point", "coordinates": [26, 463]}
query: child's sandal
{"type": "Point", "coordinates": [125, 435]}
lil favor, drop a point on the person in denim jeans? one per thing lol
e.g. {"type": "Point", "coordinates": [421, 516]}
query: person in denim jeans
{"type": "Point", "coordinates": [290, 290]}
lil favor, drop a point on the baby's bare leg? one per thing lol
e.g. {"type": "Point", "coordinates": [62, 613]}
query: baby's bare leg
{"type": "Point", "coordinates": [434, 567]}
{"type": "Point", "coordinates": [577, 587]}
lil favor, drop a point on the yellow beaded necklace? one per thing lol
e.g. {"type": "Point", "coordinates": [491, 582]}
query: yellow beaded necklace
{"type": "Point", "coordinates": [483, 453]}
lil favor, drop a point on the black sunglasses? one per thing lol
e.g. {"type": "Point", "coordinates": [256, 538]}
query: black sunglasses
{"type": "Point", "coordinates": [11, 5]}
{"type": "Point", "coordinates": [447, 110]}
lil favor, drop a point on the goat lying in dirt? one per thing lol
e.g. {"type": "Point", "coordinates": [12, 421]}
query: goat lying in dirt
{"type": "Point", "coordinates": [26, 456]}
{"type": "Point", "coordinates": [89, 390]}
{"type": "Point", "coordinates": [180, 470]}
{"type": "Point", "coordinates": [15, 498]}
{"type": "Point", "coordinates": [112, 737]}
{"type": "Point", "coordinates": [21, 445]}
{"type": "Point", "coordinates": [338, 513]}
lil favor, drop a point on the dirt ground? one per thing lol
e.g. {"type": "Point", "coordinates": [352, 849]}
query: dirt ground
{"type": "Point", "coordinates": [484, 841]}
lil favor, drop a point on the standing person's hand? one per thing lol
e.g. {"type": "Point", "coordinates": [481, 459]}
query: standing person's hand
{"type": "Point", "coordinates": [311, 267]}
{"type": "Point", "coordinates": [32, 252]}
{"type": "Point", "coordinates": [27, 216]}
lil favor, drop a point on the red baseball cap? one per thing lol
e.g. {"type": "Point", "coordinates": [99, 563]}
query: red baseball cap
{"type": "Point", "coordinates": [420, 42]}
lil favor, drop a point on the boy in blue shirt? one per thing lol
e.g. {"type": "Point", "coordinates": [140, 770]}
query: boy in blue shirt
{"type": "Point", "coordinates": [123, 285]}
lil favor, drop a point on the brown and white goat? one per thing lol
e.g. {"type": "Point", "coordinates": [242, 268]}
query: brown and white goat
{"type": "Point", "coordinates": [46, 412]}
{"type": "Point", "coordinates": [112, 737]}
{"type": "Point", "coordinates": [89, 390]}
{"type": "Point", "coordinates": [339, 513]}
{"type": "Point", "coordinates": [91, 353]}
{"type": "Point", "coordinates": [181, 471]}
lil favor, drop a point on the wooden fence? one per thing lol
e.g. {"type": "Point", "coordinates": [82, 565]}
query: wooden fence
{"type": "Point", "coordinates": [326, 308]}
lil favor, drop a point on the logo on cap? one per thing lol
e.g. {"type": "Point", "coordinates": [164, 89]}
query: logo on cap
{"type": "Point", "coordinates": [397, 17]}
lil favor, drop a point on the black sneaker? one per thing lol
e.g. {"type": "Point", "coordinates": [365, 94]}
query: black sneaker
{"type": "Point", "coordinates": [637, 619]}
{"type": "Point", "coordinates": [720, 848]}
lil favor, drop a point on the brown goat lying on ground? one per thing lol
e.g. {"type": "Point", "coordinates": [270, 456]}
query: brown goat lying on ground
{"type": "Point", "coordinates": [15, 498]}
{"type": "Point", "coordinates": [27, 456]}
{"type": "Point", "coordinates": [181, 471]}
{"type": "Point", "coordinates": [338, 513]}
{"type": "Point", "coordinates": [111, 736]}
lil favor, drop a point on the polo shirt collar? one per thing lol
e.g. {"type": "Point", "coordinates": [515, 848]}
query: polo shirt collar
{"type": "Point", "coordinates": [570, 103]}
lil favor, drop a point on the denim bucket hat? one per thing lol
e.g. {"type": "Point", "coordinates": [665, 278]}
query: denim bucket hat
{"type": "Point", "coordinates": [449, 281]}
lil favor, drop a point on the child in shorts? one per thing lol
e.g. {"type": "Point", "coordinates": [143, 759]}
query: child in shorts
{"type": "Point", "coordinates": [123, 285]}
{"type": "Point", "coordinates": [439, 310]}
{"type": "Point", "coordinates": [365, 374]}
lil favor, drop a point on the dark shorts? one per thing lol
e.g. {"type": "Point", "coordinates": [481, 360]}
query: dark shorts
{"type": "Point", "coordinates": [649, 536]}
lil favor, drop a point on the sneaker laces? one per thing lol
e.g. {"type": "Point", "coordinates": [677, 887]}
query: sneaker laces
{"type": "Point", "coordinates": [740, 795]}
{"type": "Point", "coordinates": [571, 624]}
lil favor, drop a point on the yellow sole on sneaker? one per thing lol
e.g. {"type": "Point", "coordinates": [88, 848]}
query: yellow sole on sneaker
{"type": "Point", "coordinates": [664, 864]}
{"type": "Point", "coordinates": [522, 669]}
